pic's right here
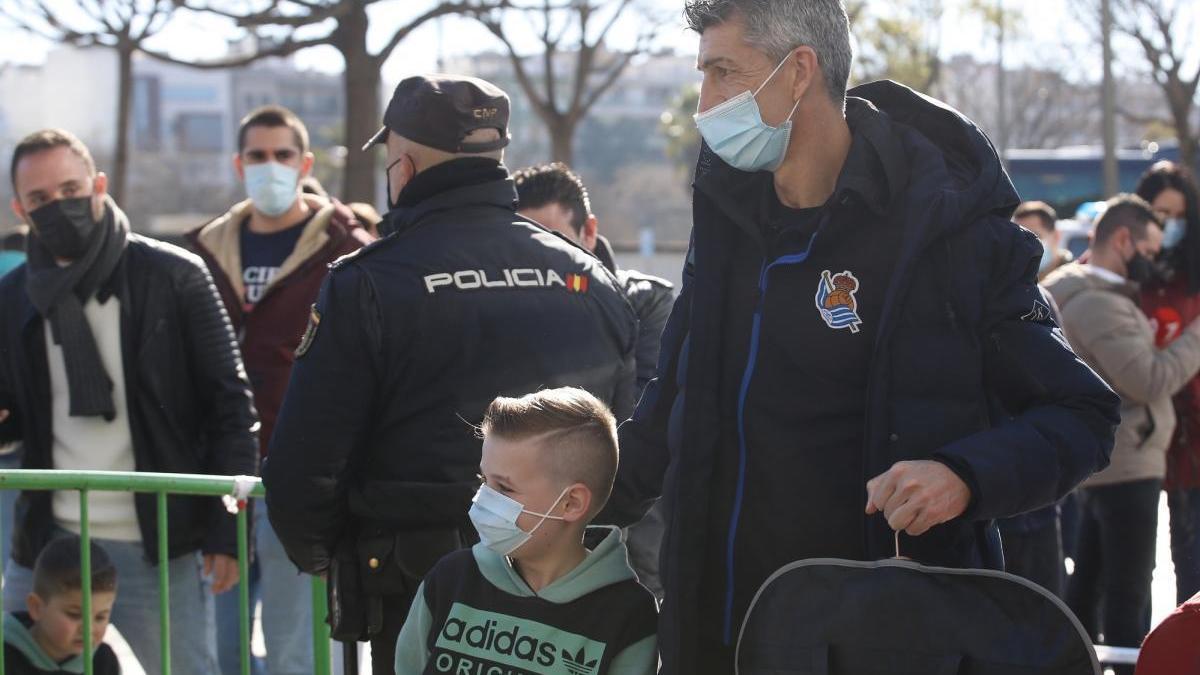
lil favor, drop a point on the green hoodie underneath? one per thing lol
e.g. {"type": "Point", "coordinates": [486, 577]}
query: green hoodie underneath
{"type": "Point", "coordinates": [596, 606]}
{"type": "Point", "coordinates": [17, 636]}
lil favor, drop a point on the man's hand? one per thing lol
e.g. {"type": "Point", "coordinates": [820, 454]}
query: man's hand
{"type": "Point", "coordinates": [223, 570]}
{"type": "Point", "coordinates": [914, 496]}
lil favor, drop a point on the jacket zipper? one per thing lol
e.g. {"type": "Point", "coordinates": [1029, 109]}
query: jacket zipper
{"type": "Point", "coordinates": [747, 377]}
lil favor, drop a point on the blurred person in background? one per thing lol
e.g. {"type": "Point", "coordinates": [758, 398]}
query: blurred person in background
{"type": "Point", "coordinates": [1040, 219]}
{"type": "Point", "coordinates": [1172, 302]}
{"type": "Point", "coordinates": [115, 354]}
{"type": "Point", "coordinates": [1110, 588]}
{"type": "Point", "coordinates": [555, 197]}
{"type": "Point", "coordinates": [268, 257]}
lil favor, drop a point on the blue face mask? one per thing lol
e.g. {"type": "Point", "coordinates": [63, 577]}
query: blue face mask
{"type": "Point", "coordinates": [495, 519]}
{"type": "Point", "coordinates": [272, 187]}
{"type": "Point", "coordinates": [1047, 257]}
{"type": "Point", "coordinates": [736, 132]}
{"type": "Point", "coordinates": [1174, 230]}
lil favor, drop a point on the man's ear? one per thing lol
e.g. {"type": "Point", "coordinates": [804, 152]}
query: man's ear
{"type": "Point", "coordinates": [239, 167]}
{"type": "Point", "coordinates": [807, 72]}
{"type": "Point", "coordinates": [306, 164]}
{"type": "Point", "coordinates": [18, 210]}
{"type": "Point", "coordinates": [591, 229]}
{"type": "Point", "coordinates": [35, 605]}
{"type": "Point", "coordinates": [99, 192]}
{"type": "Point", "coordinates": [577, 503]}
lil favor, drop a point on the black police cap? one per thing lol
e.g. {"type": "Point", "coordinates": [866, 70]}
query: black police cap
{"type": "Point", "coordinates": [439, 111]}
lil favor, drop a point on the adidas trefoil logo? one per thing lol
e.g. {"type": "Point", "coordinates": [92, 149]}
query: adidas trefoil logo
{"type": "Point", "coordinates": [578, 664]}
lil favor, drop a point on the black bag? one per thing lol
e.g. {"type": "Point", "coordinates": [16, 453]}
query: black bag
{"type": "Point", "coordinates": [895, 617]}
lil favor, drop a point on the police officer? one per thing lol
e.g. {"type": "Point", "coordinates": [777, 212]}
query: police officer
{"type": "Point", "coordinates": [374, 457]}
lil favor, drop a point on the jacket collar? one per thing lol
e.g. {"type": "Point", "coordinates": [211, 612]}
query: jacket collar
{"type": "Point", "coordinates": [876, 169]}
{"type": "Point", "coordinates": [874, 174]}
{"type": "Point", "coordinates": [221, 239]}
{"type": "Point", "coordinates": [497, 191]}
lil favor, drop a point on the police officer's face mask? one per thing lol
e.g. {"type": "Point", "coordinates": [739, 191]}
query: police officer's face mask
{"type": "Point", "coordinates": [393, 202]}
{"type": "Point", "coordinates": [494, 516]}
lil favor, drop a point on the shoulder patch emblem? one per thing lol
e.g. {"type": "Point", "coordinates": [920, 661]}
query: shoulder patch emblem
{"type": "Point", "coordinates": [1038, 314]}
{"type": "Point", "coordinates": [310, 333]}
{"type": "Point", "coordinates": [835, 300]}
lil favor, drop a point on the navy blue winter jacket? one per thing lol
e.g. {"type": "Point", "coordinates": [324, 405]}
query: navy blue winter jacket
{"type": "Point", "coordinates": [968, 368]}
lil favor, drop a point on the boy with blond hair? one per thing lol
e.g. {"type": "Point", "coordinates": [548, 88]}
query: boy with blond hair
{"type": "Point", "coordinates": [531, 595]}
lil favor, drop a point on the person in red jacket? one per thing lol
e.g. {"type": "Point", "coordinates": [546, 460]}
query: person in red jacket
{"type": "Point", "coordinates": [268, 256]}
{"type": "Point", "coordinates": [1172, 647]}
{"type": "Point", "coordinates": [1171, 304]}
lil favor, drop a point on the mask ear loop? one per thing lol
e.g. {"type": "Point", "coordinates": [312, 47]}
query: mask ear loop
{"type": "Point", "coordinates": [795, 107]}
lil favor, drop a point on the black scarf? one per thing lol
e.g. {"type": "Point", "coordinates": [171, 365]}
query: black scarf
{"type": "Point", "coordinates": [59, 294]}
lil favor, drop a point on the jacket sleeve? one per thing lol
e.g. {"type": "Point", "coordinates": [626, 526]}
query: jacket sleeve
{"type": "Point", "coordinates": [324, 419]}
{"type": "Point", "coordinates": [643, 438]}
{"type": "Point", "coordinates": [230, 421]}
{"type": "Point", "coordinates": [10, 427]}
{"type": "Point", "coordinates": [1061, 417]}
{"type": "Point", "coordinates": [640, 658]}
{"type": "Point", "coordinates": [1115, 336]}
{"type": "Point", "coordinates": [412, 651]}
{"type": "Point", "coordinates": [653, 303]}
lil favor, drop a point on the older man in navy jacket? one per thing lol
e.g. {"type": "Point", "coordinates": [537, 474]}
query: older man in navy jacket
{"type": "Point", "coordinates": [859, 331]}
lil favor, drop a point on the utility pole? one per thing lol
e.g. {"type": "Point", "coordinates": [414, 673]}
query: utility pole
{"type": "Point", "coordinates": [1108, 103]}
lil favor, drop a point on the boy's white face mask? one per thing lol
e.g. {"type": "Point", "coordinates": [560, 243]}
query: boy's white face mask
{"type": "Point", "coordinates": [494, 516]}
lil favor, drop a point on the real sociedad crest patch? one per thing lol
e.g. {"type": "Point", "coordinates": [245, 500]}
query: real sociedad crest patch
{"type": "Point", "coordinates": [835, 300]}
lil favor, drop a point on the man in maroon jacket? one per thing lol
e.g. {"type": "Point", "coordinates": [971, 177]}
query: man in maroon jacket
{"type": "Point", "coordinates": [268, 256]}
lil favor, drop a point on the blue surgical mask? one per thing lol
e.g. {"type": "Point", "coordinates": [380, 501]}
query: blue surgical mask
{"type": "Point", "coordinates": [272, 187]}
{"type": "Point", "coordinates": [1174, 230]}
{"type": "Point", "coordinates": [1047, 257]}
{"type": "Point", "coordinates": [495, 519]}
{"type": "Point", "coordinates": [736, 132]}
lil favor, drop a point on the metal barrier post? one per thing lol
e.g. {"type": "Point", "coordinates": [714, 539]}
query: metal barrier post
{"type": "Point", "coordinates": [322, 663]}
{"type": "Point", "coordinates": [162, 485]}
{"type": "Point", "coordinates": [243, 534]}
{"type": "Point", "coordinates": [85, 574]}
{"type": "Point", "coordinates": [164, 585]}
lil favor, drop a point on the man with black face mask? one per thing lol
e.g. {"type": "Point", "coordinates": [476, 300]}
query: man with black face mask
{"type": "Point", "coordinates": [115, 355]}
{"type": "Point", "coordinates": [374, 458]}
{"type": "Point", "coordinates": [1110, 589]}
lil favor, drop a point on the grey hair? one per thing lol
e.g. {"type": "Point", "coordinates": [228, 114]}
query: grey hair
{"type": "Point", "coordinates": [776, 27]}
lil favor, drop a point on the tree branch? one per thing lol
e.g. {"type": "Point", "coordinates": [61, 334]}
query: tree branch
{"type": "Point", "coordinates": [283, 49]}
{"type": "Point", "coordinates": [475, 7]}
{"type": "Point", "coordinates": [493, 25]}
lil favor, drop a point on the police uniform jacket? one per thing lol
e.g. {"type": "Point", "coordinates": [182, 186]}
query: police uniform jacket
{"type": "Point", "coordinates": [409, 341]}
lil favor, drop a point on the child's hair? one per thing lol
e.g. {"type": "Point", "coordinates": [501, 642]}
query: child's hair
{"type": "Point", "coordinates": [577, 433]}
{"type": "Point", "coordinates": [58, 570]}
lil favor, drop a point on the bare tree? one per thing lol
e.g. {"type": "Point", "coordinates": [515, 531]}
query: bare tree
{"type": "Point", "coordinates": [1166, 35]}
{"type": "Point", "coordinates": [122, 26]}
{"type": "Point", "coordinates": [572, 37]}
{"type": "Point", "coordinates": [1167, 40]}
{"type": "Point", "coordinates": [284, 27]}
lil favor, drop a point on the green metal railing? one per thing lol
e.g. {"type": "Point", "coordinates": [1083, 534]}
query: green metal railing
{"type": "Point", "coordinates": [238, 488]}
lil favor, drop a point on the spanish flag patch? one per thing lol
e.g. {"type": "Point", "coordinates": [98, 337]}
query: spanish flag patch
{"type": "Point", "coordinates": [577, 283]}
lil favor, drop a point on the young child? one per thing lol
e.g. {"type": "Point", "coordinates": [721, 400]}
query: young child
{"type": "Point", "coordinates": [530, 597]}
{"type": "Point", "coordinates": [49, 637]}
